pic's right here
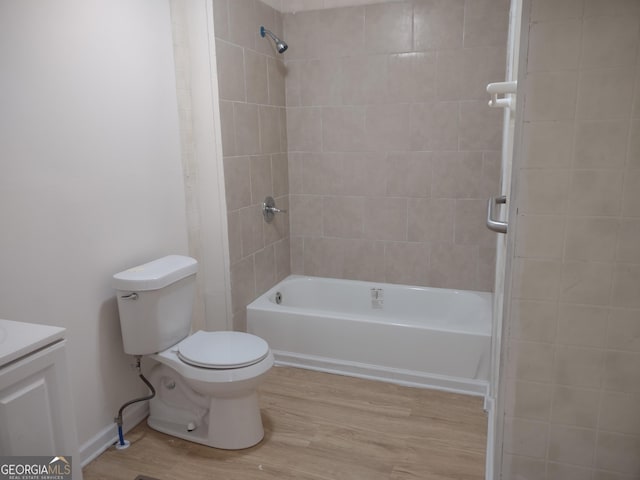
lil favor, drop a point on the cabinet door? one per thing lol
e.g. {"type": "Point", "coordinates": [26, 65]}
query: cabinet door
{"type": "Point", "coordinates": [30, 416]}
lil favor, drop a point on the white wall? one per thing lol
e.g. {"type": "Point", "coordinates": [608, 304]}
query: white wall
{"type": "Point", "coordinates": [90, 176]}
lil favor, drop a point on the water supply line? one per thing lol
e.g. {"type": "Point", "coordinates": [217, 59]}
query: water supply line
{"type": "Point", "coordinates": [122, 443]}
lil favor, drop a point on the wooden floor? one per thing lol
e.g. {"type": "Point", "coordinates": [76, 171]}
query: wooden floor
{"type": "Point", "coordinates": [320, 426]}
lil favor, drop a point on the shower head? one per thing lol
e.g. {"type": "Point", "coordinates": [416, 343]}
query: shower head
{"type": "Point", "coordinates": [281, 45]}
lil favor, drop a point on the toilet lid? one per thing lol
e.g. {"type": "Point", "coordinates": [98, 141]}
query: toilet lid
{"type": "Point", "coordinates": [222, 349]}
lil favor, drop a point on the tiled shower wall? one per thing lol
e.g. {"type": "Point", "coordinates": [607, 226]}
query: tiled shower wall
{"type": "Point", "coordinates": [393, 150]}
{"type": "Point", "coordinates": [251, 78]}
{"type": "Point", "coordinates": [573, 375]}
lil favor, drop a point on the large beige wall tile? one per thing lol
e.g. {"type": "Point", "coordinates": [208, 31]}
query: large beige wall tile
{"type": "Point", "coordinates": [304, 129]}
{"type": "Point", "coordinates": [631, 196]}
{"type": "Point", "coordinates": [579, 367]}
{"type": "Point", "coordinates": [255, 67]}
{"type": "Point", "coordinates": [601, 144]}
{"type": "Point", "coordinates": [411, 77]}
{"type": "Point", "coordinates": [575, 406]}
{"type": "Point", "coordinates": [434, 126]}
{"type": "Point", "coordinates": [540, 236]}
{"type": "Point", "coordinates": [598, 8]}
{"type": "Point", "coordinates": [586, 283]}
{"type": "Point", "coordinates": [619, 412]}
{"type": "Point", "coordinates": [409, 174]}
{"type": "Point", "coordinates": [563, 471]}
{"type": "Point", "coordinates": [406, 263]}
{"type": "Point", "coordinates": [342, 216]}
{"type": "Point", "coordinates": [543, 191]}
{"type": "Point", "coordinates": [343, 129]}
{"type": "Point", "coordinates": [270, 134]}
{"type": "Point", "coordinates": [626, 285]}
{"type": "Point", "coordinates": [529, 400]}
{"type": "Point", "coordinates": [265, 269]}
{"type": "Point", "coordinates": [364, 79]}
{"type": "Point", "coordinates": [548, 10]}
{"type": "Point", "coordinates": [237, 180]}
{"type": "Point", "coordinates": [453, 266]}
{"type": "Point", "coordinates": [227, 126]}
{"type": "Point", "coordinates": [387, 127]}
{"type": "Point", "coordinates": [389, 27]}
{"type": "Point", "coordinates": [324, 257]}
{"type": "Point", "coordinates": [251, 230]}
{"type": "Point", "coordinates": [595, 192]}
{"type": "Point", "coordinates": [551, 95]}
{"type": "Point", "coordinates": [261, 178]}
{"type": "Point", "coordinates": [582, 325]}
{"type": "Point", "coordinates": [470, 223]}
{"type": "Point", "coordinates": [431, 220]}
{"type": "Point", "coordinates": [276, 74]}
{"type": "Point", "coordinates": [243, 23]}
{"type": "Point", "coordinates": [534, 321]}
{"type": "Point", "coordinates": [231, 71]}
{"type": "Point", "coordinates": [591, 238]}
{"type": "Point", "coordinates": [364, 260]}
{"type": "Point", "coordinates": [536, 279]}
{"type": "Point", "coordinates": [529, 361]}
{"type": "Point", "coordinates": [622, 371]}
{"type": "Point", "coordinates": [438, 24]}
{"type": "Point", "coordinates": [321, 82]}
{"type": "Point", "coordinates": [624, 330]}
{"type": "Point", "coordinates": [247, 126]}
{"type": "Point", "coordinates": [554, 45]}
{"type": "Point", "coordinates": [604, 94]}
{"type": "Point", "coordinates": [486, 22]}
{"type": "Point", "coordinates": [526, 437]}
{"type": "Point", "coordinates": [283, 259]}
{"type": "Point", "coordinates": [618, 452]}
{"type": "Point", "coordinates": [571, 445]}
{"type": "Point", "coordinates": [548, 144]}
{"type": "Point", "coordinates": [243, 287]}
{"type": "Point", "coordinates": [479, 129]}
{"type": "Point", "coordinates": [386, 219]}
{"type": "Point", "coordinates": [609, 41]}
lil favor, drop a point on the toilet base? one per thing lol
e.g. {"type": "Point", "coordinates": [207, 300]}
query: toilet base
{"type": "Point", "coordinates": [232, 424]}
{"type": "Point", "coordinates": [230, 420]}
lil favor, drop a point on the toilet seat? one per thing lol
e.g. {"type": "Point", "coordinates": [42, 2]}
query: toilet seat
{"type": "Point", "coordinates": [222, 350]}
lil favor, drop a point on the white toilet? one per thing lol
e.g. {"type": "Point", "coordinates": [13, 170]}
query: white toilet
{"type": "Point", "coordinates": [206, 383]}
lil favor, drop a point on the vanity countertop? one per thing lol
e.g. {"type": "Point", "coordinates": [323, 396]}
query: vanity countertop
{"type": "Point", "coordinates": [18, 339]}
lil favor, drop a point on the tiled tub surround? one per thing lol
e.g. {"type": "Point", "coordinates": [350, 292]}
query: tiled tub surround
{"type": "Point", "coordinates": [573, 385]}
{"type": "Point", "coordinates": [251, 77]}
{"type": "Point", "coordinates": [392, 148]}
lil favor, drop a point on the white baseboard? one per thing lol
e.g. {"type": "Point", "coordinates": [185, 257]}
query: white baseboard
{"type": "Point", "coordinates": [109, 434]}
{"type": "Point", "coordinates": [490, 408]}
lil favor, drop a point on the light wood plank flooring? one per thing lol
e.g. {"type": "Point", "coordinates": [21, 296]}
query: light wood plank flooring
{"type": "Point", "coordinates": [324, 427]}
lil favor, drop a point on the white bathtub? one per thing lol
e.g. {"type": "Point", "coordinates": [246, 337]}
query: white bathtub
{"type": "Point", "coordinates": [428, 337]}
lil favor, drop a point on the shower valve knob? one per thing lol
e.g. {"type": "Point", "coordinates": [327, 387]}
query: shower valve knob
{"type": "Point", "coordinates": [269, 209]}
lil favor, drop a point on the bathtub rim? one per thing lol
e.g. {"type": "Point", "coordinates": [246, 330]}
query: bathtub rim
{"type": "Point", "coordinates": [263, 302]}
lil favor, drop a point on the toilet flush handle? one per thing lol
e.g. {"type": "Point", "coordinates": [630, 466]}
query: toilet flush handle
{"type": "Point", "coordinates": [131, 296]}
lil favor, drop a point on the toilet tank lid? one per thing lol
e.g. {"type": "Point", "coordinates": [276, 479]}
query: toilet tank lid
{"type": "Point", "coordinates": [156, 274]}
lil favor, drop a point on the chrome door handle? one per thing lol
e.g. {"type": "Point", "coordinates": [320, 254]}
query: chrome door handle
{"type": "Point", "coordinates": [492, 224]}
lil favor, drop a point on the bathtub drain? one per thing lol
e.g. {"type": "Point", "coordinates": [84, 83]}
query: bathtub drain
{"type": "Point", "coordinates": [278, 298]}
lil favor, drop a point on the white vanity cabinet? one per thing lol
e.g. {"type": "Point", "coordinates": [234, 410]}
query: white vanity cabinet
{"type": "Point", "coordinates": [36, 416]}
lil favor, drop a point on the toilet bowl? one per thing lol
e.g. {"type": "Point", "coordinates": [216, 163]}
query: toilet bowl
{"type": "Point", "coordinates": [227, 407]}
{"type": "Point", "coordinates": [206, 383]}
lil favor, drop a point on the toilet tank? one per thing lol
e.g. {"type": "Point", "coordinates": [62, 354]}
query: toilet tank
{"type": "Point", "coordinates": [155, 301]}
